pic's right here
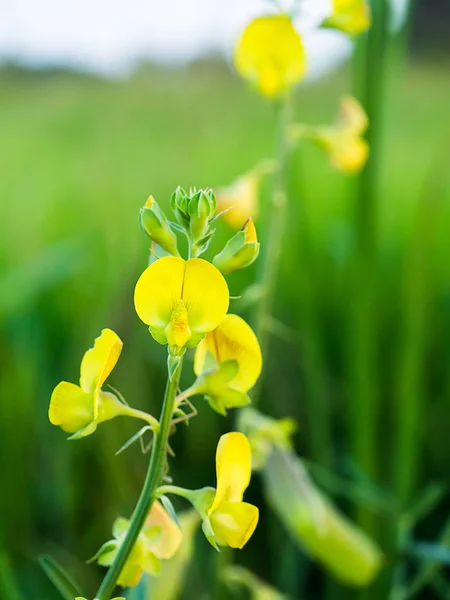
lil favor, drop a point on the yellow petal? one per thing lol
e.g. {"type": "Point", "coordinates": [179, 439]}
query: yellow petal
{"type": "Point", "coordinates": [233, 523]}
{"type": "Point", "coordinates": [70, 407]}
{"type": "Point", "coordinates": [235, 340]}
{"type": "Point", "coordinates": [158, 291]}
{"type": "Point", "coordinates": [349, 154]}
{"type": "Point", "coordinates": [270, 54]}
{"type": "Point", "coordinates": [351, 16]}
{"type": "Point", "coordinates": [205, 294]}
{"type": "Point", "coordinates": [241, 200]}
{"type": "Point", "coordinates": [233, 468]}
{"type": "Point", "coordinates": [99, 361]}
{"type": "Point", "coordinates": [131, 574]}
{"type": "Point", "coordinates": [167, 544]}
{"type": "Point", "coordinates": [352, 117]}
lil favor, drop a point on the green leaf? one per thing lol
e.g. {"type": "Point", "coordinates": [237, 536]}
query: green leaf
{"type": "Point", "coordinates": [60, 579]}
{"type": "Point", "coordinates": [170, 509]}
{"type": "Point", "coordinates": [134, 438]}
{"type": "Point", "coordinates": [430, 551]}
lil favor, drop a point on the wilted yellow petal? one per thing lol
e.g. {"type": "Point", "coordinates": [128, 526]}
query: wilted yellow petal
{"type": "Point", "coordinates": [99, 361]}
{"type": "Point", "coordinates": [169, 541]}
{"type": "Point", "coordinates": [205, 294]}
{"type": "Point", "coordinates": [158, 291]}
{"type": "Point", "coordinates": [235, 340]}
{"type": "Point", "coordinates": [270, 54]}
{"type": "Point", "coordinates": [241, 200]}
{"type": "Point", "coordinates": [234, 523]}
{"type": "Point", "coordinates": [70, 407]}
{"type": "Point", "coordinates": [233, 468]}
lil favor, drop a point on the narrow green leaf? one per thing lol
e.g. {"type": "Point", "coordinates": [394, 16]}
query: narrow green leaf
{"type": "Point", "coordinates": [170, 509]}
{"type": "Point", "coordinates": [60, 579]}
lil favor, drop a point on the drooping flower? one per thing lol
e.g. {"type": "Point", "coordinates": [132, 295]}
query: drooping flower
{"type": "Point", "coordinates": [229, 521]}
{"type": "Point", "coordinates": [232, 341]}
{"type": "Point", "coordinates": [181, 300]}
{"type": "Point", "coordinates": [159, 539]}
{"type": "Point", "coordinates": [270, 54]}
{"type": "Point", "coordinates": [353, 17]}
{"type": "Point", "coordinates": [78, 409]}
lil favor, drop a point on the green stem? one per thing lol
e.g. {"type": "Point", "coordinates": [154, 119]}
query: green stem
{"type": "Point", "coordinates": [154, 476]}
{"type": "Point", "coordinates": [364, 399]}
{"type": "Point", "coordinates": [270, 259]}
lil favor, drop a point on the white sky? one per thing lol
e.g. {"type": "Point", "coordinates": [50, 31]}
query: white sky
{"type": "Point", "coordinates": [110, 35]}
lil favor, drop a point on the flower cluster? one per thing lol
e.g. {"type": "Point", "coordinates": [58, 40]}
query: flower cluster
{"type": "Point", "coordinates": [184, 302]}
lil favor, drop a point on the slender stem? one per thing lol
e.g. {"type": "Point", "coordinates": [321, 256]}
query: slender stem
{"type": "Point", "coordinates": [140, 414]}
{"type": "Point", "coordinates": [148, 494]}
{"type": "Point", "coordinates": [270, 259]}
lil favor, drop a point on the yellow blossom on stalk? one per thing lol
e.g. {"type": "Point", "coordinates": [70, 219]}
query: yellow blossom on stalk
{"type": "Point", "coordinates": [270, 54]}
{"type": "Point", "coordinates": [353, 17]}
{"type": "Point", "coordinates": [233, 340]}
{"type": "Point", "coordinates": [181, 300]}
{"type": "Point", "coordinates": [239, 199]}
{"type": "Point", "coordinates": [229, 521]}
{"type": "Point", "coordinates": [79, 409]}
{"type": "Point", "coordinates": [160, 538]}
{"type": "Point", "coordinates": [348, 151]}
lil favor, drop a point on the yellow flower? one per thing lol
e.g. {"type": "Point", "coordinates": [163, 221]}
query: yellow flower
{"type": "Point", "coordinates": [241, 200]}
{"type": "Point", "coordinates": [350, 16]}
{"type": "Point", "coordinates": [79, 409]}
{"type": "Point", "coordinates": [159, 539]}
{"type": "Point", "coordinates": [348, 151]}
{"type": "Point", "coordinates": [231, 522]}
{"type": "Point", "coordinates": [232, 340]}
{"type": "Point", "coordinates": [270, 54]}
{"type": "Point", "coordinates": [181, 300]}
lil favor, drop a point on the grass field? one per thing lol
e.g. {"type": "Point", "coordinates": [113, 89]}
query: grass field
{"type": "Point", "coordinates": [80, 156]}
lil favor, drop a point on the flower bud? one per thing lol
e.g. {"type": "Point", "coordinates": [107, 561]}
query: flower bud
{"type": "Point", "coordinates": [240, 251]}
{"type": "Point", "coordinates": [202, 206]}
{"type": "Point", "coordinates": [179, 206]}
{"type": "Point", "coordinates": [154, 223]}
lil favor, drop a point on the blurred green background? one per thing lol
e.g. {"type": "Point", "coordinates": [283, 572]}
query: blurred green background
{"type": "Point", "coordinates": [80, 156]}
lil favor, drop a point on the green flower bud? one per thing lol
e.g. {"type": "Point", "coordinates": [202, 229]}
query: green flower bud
{"type": "Point", "coordinates": [154, 223]}
{"type": "Point", "coordinates": [202, 206]}
{"type": "Point", "coordinates": [240, 251]}
{"type": "Point", "coordinates": [179, 205]}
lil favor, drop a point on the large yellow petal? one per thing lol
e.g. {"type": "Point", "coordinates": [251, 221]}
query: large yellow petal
{"type": "Point", "coordinates": [99, 361]}
{"type": "Point", "coordinates": [70, 407]}
{"type": "Point", "coordinates": [205, 295]}
{"type": "Point", "coordinates": [270, 53]}
{"type": "Point", "coordinates": [235, 340]}
{"type": "Point", "coordinates": [167, 544]}
{"type": "Point", "coordinates": [233, 468]}
{"type": "Point", "coordinates": [233, 523]}
{"type": "Point", "coordinates": [158, 291]}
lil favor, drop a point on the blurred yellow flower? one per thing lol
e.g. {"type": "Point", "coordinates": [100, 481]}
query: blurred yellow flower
{"type": "Point", "coordinates": [79, 409]}
{"type": "Point", "coordinates": [239, 199]}
{"type": "Point", "coordinates": [181, 300]}
{"type": "Point", "coordinates": [160, 538]}
{"type": "Point", "coordinates": [232, 340]}
{"type": "Point", "coordinates": [350, 16]}
{"type": "Point", "coordinates": [348, 151]}
{"type": "Point", "coordinates": [232, 521]}
{"type": "Point", "coordinates": [270, 54]}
